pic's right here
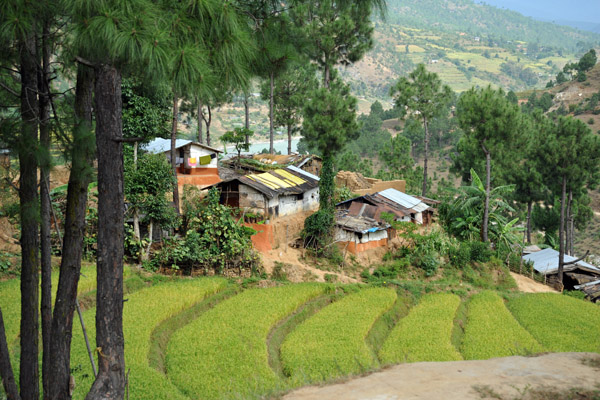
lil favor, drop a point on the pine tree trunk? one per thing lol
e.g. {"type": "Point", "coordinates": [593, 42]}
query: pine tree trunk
{"type": "Point", "coordinates": [174, 152]}
{"type": "Point", "coordinates": [246, 116]}
{"type": "Point", "coordinates": [208, 121]}
{"type": "Point", "coordinates": [45, 221]}
{"type": "Point", "coordinates": [150, 233]}
{"type": "Point", "coordinates": [561, 231]}
{"type": "Point", "coordinates": [136, 214]}
{"type": "Point", "coordinates": [568, 226]}
{"type": "Point", "coordinates": [82, 155]}
{"type": "Point", "coordinates": [571, 225]}
{"type": "Point", "coordinates": [6, 372]}
{"type": "Point", "coordinates": [29, 209]}
{"type": "Point", "coordinates": [529, 206]}
{"type": "Point", "coordinates": [486, 206]}
{"type": "Point", "coordinates": [200, 120]}
{"type": "Point", "coordinates": [271, 133]}
{"type": "Point", "coordinates": [326, 75]}
{"type": "Point", "coordinates": [289, 129]}
{"type": "Point", "coordinates": [110, 382]}
{"type": "Point", "coordinates": [424, 191]}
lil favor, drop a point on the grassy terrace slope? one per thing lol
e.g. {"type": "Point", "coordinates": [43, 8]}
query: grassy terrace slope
{"type": "Point", "coordinates": [223, 354]}
{"type": "Point", "coordinates": [142, 312]}
{"type": "Point", "coordinates": [492, 331]}
{"type": "Point", "coordinates": [332, 342]}
{"type": "Point", "coordinates": [560, 323]}
{"type": "Point", "coordinates": [424, 335]}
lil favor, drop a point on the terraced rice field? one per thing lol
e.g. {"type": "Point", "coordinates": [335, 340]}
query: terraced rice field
{"type": "Point", "coordinates": [332, 342]}
{"type": "Point", "coordinates": [425, 333]}
{"type": "Point", "coordinates": [222, 351]}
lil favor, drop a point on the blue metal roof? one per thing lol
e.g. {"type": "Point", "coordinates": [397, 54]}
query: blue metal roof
{"type": "Point", "coordinates": [404, 200]}
{"type": "Point", "coordinates": [160, 145]}
{"type": "Point", "coordinates": [303, 172]}
{"type": "Point", "coordinates": [546, 262]}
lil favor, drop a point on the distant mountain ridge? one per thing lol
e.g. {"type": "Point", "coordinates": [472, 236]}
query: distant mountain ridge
{"type": "Point", "coordinates": [486, 20]}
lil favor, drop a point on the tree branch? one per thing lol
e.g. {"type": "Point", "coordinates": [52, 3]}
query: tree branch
{"type": "Point", "coordinates": [579, 259]}
{"type": "Point", "coordinates": [128, 140]}
{"type": "Point", "coordinates": [9, 89]}
{"type": "Point", "coordinates": [85, 62]}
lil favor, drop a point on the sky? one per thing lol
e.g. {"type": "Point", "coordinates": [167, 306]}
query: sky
{"type": "Point", "coordinates": [553, 10]}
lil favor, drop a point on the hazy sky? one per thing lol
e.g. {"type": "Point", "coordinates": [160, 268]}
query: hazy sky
{"type": "Point", "coordinates": [557, 10]}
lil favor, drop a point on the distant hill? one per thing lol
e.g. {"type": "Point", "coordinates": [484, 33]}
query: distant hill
{"type": "Point", "coordinates": [466, 44]}
{"type": "Point", "coordinates": [486, 20]}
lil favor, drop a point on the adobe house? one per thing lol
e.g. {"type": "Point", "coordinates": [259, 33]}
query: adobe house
{"type": "Point", "coordinates": [197, 163]}
{"type": "Point", "coordinates": [276, 193]}
{"type": "Point", "coordinates": [360, 228]}
{"type": "Point", "coordinates": [405, 207]}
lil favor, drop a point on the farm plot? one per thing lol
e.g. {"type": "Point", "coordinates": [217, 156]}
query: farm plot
{"type": "Point", "coordinates": [141, 313]}
{"type": "Point", "coordinates": [559, 322]}
{"type": "Point", "coordinates": [492, 331]}
{"type": "Point", "coordinates": [425, 333]}
{"type": "Point", "coordinates": [332, 342]}
{"type": "Point", "coordinates": [10, 300]}
{"type": "Point", "coordinates": [223, 354]}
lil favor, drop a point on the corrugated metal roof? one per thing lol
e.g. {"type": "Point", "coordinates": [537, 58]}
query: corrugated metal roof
{"type": "Point", "coordinates": [160, 145]}
{"type": "Point", "coordinates": [303, 172]}
{"type": "Point", "coordinates": [273, 183]}
{"type": "Point", "coordinates": [546, 262]}
{"type": "Point", "coordinates": [404, 200]}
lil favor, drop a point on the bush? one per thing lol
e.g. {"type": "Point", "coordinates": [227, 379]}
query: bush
{"type": "Point", "coordinates": [460, 256]}
{"type": "Point", "coordinates": [480, 251]}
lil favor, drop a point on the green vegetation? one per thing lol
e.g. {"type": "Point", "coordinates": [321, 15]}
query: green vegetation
{"type": "Point", "coordinates": [492, 331]}
{"type": "Point", "coordinates": [424, 335]}
{"type": "Point", "coordinates": [560, 323]}
{"type": "Point", "coordinates": [142, 312]}
{"type": "Point", "coordinates": [223, 353]}
{"type": "Point", "coordinates": [332, 342]}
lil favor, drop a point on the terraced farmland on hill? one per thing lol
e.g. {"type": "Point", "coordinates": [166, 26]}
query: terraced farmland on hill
{"type": "Point", "coordinates": [221, 352]}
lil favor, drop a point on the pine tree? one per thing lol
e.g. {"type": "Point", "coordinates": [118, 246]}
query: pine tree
{"type": "Point", "coordinates": [489, 120]}
{"type": "Point", "coordinates": [423, 93]}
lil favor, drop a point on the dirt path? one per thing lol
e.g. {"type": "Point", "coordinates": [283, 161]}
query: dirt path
{"type": "Point", "coordinates": [528, 285]}
{"type": "Point", "coordinates": [506, 378]}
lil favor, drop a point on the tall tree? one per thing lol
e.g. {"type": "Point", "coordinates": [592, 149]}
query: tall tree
{"type": "Point", "coordinates": [290, 93]}
{"type": "Point", "coordinates": [490, 120]}
{"type": "Point", "coordinates": [423, 93]}
{"type": "Point", "coordinates": [82, 156]}
{"type": "Point", "coordinates": [571, 156]}
{"type": "Point", "coordinates": [111, 36]}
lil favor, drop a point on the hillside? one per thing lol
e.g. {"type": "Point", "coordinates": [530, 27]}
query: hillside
{"type": "Point", "coordinates": [467, 44]}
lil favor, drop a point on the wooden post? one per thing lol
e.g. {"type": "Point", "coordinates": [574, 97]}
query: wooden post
{"type": "Point", "coordinates": [87, 342]}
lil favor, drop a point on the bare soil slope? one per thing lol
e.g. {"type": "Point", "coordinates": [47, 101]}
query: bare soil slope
{"type": "Point", "coordinates": [498, 378]}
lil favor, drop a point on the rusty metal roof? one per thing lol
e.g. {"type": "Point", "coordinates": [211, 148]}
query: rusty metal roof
{"type": "Point", "coordinates": [359, 224]}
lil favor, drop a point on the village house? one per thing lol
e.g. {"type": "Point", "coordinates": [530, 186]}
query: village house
{"type": "Point", "coordinates": [578, 275]}
{"type": "Point", "coordinates": [359, 225]}
{"type": "Point", "coordinates": [276, 193]}
{"type": "Point", "coordinates": [197, 164]}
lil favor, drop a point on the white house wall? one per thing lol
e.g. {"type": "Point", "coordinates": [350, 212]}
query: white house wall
{"type": "Point", "coordinates": [197, 152]}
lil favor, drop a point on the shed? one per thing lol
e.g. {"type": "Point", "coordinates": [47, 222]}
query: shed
{"type": "Point", "coordinates": [279, 192]}
{"type": "Point", "coordinates": [545, 262]}
{"type": "Point", "coordinates": [360, 228]}
{"type": "Point", "coordinates": [197, 164]}
{"type": "Point", "coordinates": [403, 206]}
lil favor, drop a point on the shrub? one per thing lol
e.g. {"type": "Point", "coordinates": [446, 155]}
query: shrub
{"type": "Point", "coordinates": [560, 323]}
{"type": "Point", "coordinates": [491, 330]}
{"type": "Point", "coordinates": [332, 342]}
{"type": "Point", "coordinates": [480, 251]}
{"type": "Point", "coordinates": [425, 334]}
{"type": "Point", "coordinates": [223, 354]}
{"type": "Point", "coordinates": [460, 256]}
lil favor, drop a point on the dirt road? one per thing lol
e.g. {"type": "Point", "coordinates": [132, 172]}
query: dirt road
{"type": "Point", "coordinates": [528, 285]}
{"type": "Point", "coordinates": [504, 378]}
